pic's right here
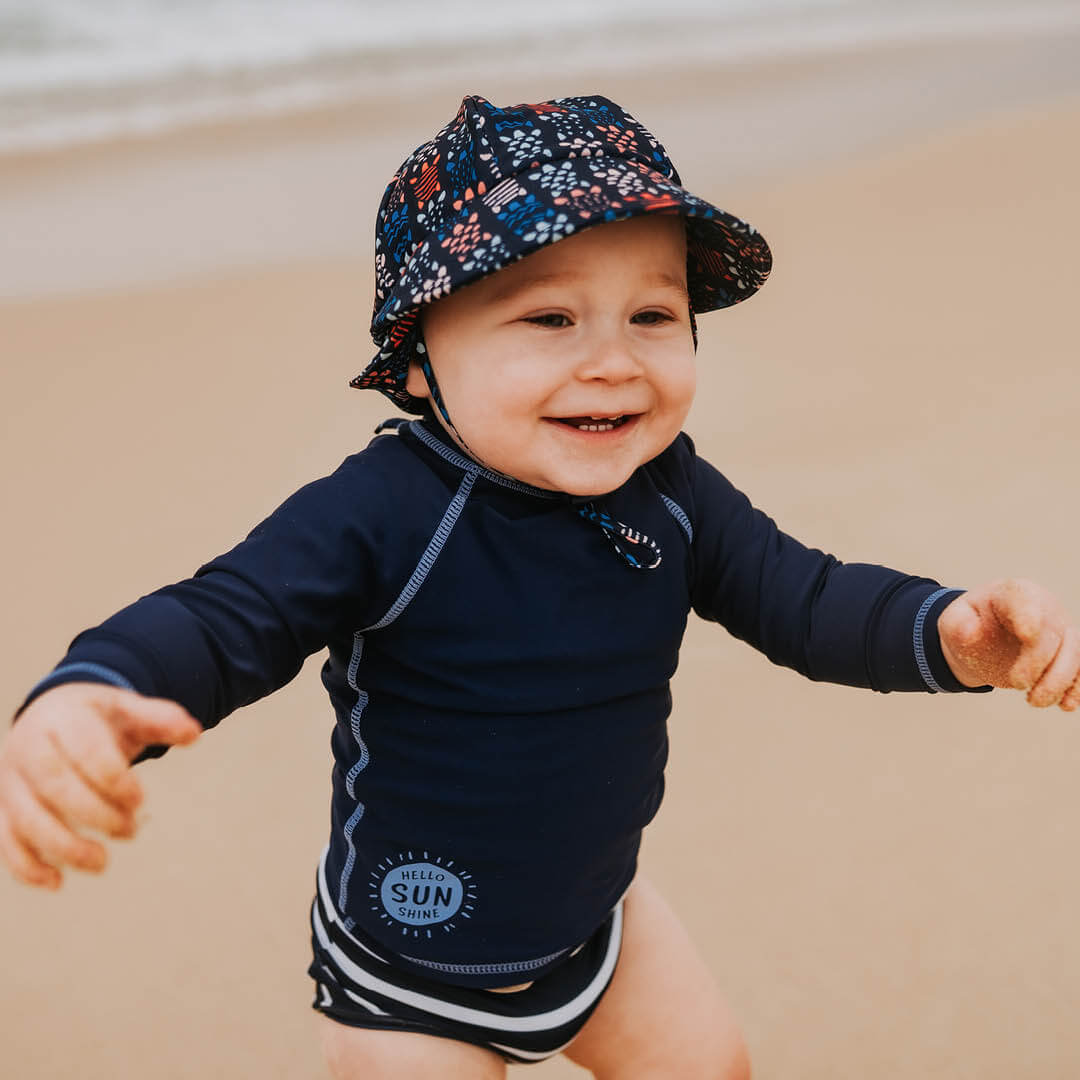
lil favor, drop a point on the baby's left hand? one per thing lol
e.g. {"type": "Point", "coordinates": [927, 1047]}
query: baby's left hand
{"type": "Point", "coordinates": [1014, 634]}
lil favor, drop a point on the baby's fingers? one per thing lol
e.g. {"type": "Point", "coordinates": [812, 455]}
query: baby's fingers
{"type": "Point", "coordinates": [22, 862]}
{"type": "Point", "coordinates": [92, 747]}
{"type": "Point", "coordinates": [1071, 701]}
{"type": "Point", "coordinates": [62, 787]}
{"type": "Point", "coordinates": [1036, 660]}
{"type": "Point", "coordinates": [140, 721]}
{"type": "Point", "coordinates": [1039, 648]}
{"type": "Point", "coordinates": [1037, 624]}
{"type": "Point", "coordinates": [38, 828]}
{"type": "Point", "coordinates": [1056, 680]}
{"type": "Point", "coordinates": [1019, 606]}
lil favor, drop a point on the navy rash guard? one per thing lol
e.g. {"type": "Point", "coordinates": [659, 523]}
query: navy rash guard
{"type": "Point", "coordinates": [499, 676]}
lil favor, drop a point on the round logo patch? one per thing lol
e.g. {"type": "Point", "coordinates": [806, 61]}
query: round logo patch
{"type": "Point", "coordinates": [421, 894]}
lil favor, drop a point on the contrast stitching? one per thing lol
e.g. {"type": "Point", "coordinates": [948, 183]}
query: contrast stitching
{"type": "Point", "coordinates": [920, 644]}
{"type": "Point", "coordinates": [679, 515]}
{"type": "Point", "coordinates": [431, 553]}
{"type": "Point", "coordinates": [360, 765]}
{"type": "Point", "coordinates": [350, 859]}
{"type": "Point", "coordinates": [323, 889]}
{"type": "Point", "coordinates": [462, 462]}
{"type": "Point", "coordinates": [85, 668]}
{"type": "Point", "coordinates": [354, 723]}
{"type": "Point", "coordinates": [412, 587]}
{"type": "Point", "coordinates": [357, 712]}
{"type": "Point", "coordinates": [486, 969]}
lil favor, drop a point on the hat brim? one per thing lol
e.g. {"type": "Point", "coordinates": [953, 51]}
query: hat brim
{"type": "Point", "coordinates": [727, 259]}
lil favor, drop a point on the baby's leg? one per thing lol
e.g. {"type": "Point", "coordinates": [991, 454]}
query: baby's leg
{"type": "Point", "coordinates": [662, 1016]}
{"type": "Point", "coordinates": [362, 1054]}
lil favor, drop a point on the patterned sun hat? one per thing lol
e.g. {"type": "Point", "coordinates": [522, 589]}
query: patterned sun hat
{"type": "Point", "coordinates": [496, 184]}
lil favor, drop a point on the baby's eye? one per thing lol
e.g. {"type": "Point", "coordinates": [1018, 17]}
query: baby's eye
{"type": "Point", "coordinates": [653, 318]}
{"type": "Point", "coordinates": [552, 319]}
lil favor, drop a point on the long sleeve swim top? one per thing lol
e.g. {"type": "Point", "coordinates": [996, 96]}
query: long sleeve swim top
{"type": "Point", "coordinates": [499, 675]}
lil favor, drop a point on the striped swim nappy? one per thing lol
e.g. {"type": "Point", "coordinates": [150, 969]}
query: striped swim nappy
{"type": "Point", "coordinates": [357, 986]}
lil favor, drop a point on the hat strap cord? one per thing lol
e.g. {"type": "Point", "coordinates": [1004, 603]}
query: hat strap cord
{"type": "Point", "coordinates": [648, 551]}
{"type": "Point", "coordinates": [433, 387]}
{"type": "Point", "coordinates": [617, 532]}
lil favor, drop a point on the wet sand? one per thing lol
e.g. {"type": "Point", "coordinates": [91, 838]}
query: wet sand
{"type": "Point", "coordinates": [885, 886]}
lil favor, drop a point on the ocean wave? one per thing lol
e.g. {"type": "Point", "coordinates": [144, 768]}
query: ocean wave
{"type": "Point", "coordinates": [72, 72]}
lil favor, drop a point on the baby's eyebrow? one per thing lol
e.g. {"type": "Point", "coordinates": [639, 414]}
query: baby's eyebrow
{"type": "Point", "coordinates": [512, 288]}
{"type": "Point", "coordinates": [670, 281]}
{"type": "Point", "coordinates": [569, 277]}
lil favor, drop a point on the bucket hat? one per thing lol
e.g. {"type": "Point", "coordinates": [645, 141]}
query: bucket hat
{"type": "Point", "coordinates": [496, 184]}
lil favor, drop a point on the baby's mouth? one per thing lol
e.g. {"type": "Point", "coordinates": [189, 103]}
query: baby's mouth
{"type": "Point", "coordinates": [593, 423]}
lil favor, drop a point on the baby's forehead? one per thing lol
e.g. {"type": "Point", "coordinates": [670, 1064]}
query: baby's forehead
{"type": "Point", "coordinates": [645, 251]}
{"type": "Point", "coordinates": [507, 287]}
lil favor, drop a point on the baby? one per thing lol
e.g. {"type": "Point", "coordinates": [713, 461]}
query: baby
{"type": "Point", "coordinates": [502, 586]}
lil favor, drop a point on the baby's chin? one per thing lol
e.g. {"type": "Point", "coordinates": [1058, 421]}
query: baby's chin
{"type": "Point", "coordinates": [592, 485]}
{"type": "Point", "coordinates": [550, 468]}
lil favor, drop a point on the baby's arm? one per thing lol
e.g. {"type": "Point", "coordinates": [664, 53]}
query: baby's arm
{"type": "Point", "coordinates": [66, 767]}
{"type": "Point", "coordinates": [867, 625]}
{"type": "Point", "coordinates": [1014, 634]}
{"type": "Point", "coordinates": [858, 624]}
{"type": "Point", "coordinates": [179, 660]}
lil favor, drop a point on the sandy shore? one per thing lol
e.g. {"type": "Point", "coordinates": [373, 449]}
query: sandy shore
{"type": "Point", "coordinates": [884, 886]}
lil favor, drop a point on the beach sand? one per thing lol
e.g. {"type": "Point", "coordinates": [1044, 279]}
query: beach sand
{"type": "Point", "coordinates": [885, 886]}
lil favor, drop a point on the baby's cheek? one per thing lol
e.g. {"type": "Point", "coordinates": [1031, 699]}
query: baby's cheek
{"type": "Point", "coordinates": [682, 387]}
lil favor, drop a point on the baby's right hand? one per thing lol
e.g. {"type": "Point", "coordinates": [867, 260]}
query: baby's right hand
{"type": "Point", "coordinates": [66, 766]}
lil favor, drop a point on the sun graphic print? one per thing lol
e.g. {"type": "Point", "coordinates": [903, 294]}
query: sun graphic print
{"type": "Point", "coordinates": [421, 895]}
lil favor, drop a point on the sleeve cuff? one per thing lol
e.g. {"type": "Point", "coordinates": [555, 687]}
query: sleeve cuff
{"type": "Point", "coordinates": [926, 642]}
{"type": "Point", "coordinates": [72, 669]}
{"type": "Point", "coordinates": [74, 672]}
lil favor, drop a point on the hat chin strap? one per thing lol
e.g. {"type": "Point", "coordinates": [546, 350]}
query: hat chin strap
{"type": "Point", "coordinates": [621, 536]}
{"type": "Point", "coordinates": [437, 399]}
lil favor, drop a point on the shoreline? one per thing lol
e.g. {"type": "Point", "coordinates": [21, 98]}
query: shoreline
{"type": "Point", "coordinates": [304, 186]}
{"type": "Point", "coordinates": [372, 67]}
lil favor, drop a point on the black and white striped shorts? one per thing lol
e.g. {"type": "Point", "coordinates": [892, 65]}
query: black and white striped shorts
{"type": "Point", "coordinates": [355, 986]}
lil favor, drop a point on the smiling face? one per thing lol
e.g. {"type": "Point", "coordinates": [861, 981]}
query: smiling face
{"type": "Point", "coordinates": [572, 367]}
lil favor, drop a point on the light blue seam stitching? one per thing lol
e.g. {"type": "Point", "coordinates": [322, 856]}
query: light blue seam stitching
{"type": "Point", "coordinates": [110, 676]}
{"type": "Point", "coordinates": [357, 712]}
{"type": "Point", "coordinates": [462, 462]}
{"type": "Point", "coordinates": [431, 553]}
{"type": "Point", "coordinates": [350, 780]}
{"type": "Point", "coordinates": [350, 859]}
{"type": "Point", "coordinates": [679, 515]}
{"type": "Point", "coordinates": [365, 756]}
{"type": "Point", "coordinates": [486, 969]}
{"type": "Point", "coordinates": [919, 643]}
{"type": "Point", "coordinates": [412, 587]}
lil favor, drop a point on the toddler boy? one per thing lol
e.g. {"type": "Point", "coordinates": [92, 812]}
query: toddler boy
{"type": "Point", "coordinates": [502, 586]}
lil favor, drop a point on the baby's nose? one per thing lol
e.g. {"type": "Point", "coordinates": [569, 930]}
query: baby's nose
{"type": "Point", "coordinates": [611, 358]}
